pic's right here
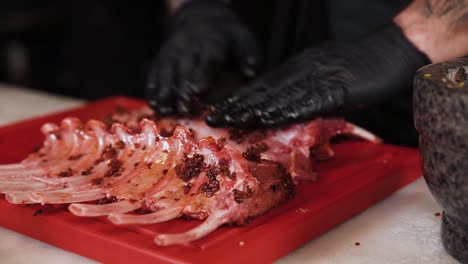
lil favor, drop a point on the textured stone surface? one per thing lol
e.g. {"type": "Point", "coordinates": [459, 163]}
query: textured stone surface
{"type": "Point", "coordinates": [441, 117]}
{"type": "Point", "coordinates": [455, 238]}
{"type": "Point", "coordinates": [441, 107]}
{"type": "Point", "coordinates": [445, 171]}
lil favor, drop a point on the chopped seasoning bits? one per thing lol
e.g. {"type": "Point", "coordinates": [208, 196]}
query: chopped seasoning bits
{"type": "Point", "coordinates": [428, 75]}
{"type": "Point", "coordinates": [38, 212]}
{"type": "Point", "coordinates": [461, 75]}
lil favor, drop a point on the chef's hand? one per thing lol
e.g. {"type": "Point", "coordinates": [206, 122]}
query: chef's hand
{"type": "Point", "coordinates": [339, 75]}
{"type": "Point", "coordinates": [206, 38]}
{"type": "Point", "coordinates": [323, 79]}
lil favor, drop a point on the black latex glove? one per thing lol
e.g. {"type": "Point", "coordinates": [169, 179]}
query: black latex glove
{"type": "Point", "coordinates": [324, 79]}
{"type": "Point", "coordinates": [206, 38]}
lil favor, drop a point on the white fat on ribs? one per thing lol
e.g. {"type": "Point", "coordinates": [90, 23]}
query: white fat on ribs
{"type": "Point", "coordinates": [220, 176]}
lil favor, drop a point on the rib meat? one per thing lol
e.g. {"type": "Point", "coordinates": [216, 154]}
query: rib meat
{"type": "Point", "coordinates": [296, 146]}
{"type": "Point", "coordinates": [168, 169]}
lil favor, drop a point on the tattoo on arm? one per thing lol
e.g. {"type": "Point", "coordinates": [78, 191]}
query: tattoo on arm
{"type": "Point", "coordinates": [455, 12]}
{"type": "Point", "coordinates": [426, 9]}
{"type": "Point", "coordinates": [439, 28]}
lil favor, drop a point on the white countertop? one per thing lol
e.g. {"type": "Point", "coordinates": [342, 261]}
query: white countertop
{"type": "Point", "coordinates": [401, 229]}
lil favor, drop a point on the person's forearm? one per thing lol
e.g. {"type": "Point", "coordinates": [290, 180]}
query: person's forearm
{"type": "Point", "coordinates": [439, 28]}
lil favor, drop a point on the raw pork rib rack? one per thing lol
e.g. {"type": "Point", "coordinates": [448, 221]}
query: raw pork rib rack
{"type": "Point", "coordinates": [165, 169]}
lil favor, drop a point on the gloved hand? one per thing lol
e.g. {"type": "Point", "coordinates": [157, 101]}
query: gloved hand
{"type": "Point", "coordinates": [324, 79]}
{"type": "Point", "coordinates": [206, 38]}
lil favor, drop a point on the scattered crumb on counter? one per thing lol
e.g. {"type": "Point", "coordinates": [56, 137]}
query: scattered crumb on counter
{"type": "Point", "coordinates": [357, 244]}
{"type": "Point", "coordinates": [436, 214]}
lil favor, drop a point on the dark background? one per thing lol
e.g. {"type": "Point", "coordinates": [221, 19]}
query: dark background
{"type": "Point", "coordinates": [92, 49]}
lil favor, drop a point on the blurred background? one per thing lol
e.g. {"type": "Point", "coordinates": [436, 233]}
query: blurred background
{"type": "Point", "coordinates": [86, 49]}
{"type": "Point", "coordinates": [93, 49]}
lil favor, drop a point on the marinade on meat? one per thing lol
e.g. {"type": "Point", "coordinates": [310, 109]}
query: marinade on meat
{"type": "Point", "coordinates": [168, 168]}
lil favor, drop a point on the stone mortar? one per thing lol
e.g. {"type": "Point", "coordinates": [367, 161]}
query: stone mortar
{"type": "Point", "coordinates": [440, 103]}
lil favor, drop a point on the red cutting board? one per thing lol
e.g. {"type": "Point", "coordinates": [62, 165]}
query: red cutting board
{"type": "Point", "coordinates": [360, 175]}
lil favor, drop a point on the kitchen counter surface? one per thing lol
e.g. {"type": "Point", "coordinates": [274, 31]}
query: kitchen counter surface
{"type": "Point", "coordinates": [404, 228]}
